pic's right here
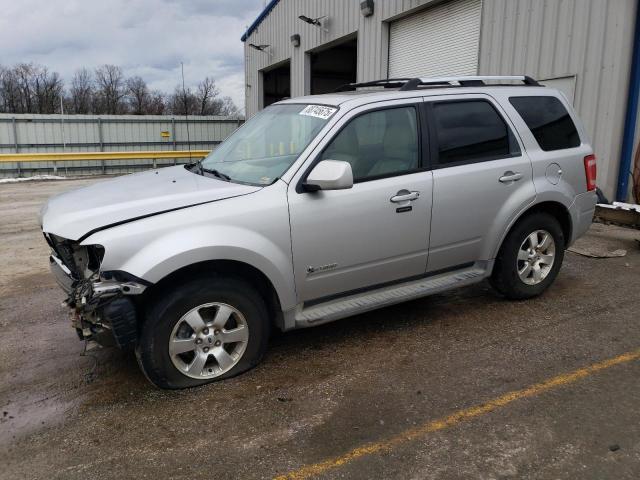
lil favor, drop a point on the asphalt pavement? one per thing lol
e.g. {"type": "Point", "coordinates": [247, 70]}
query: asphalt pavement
{"type": "Point", "coordinates": [459, 385]}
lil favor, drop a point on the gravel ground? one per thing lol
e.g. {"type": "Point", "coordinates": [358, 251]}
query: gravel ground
{"type": "Point", "coordinates": [324, 391]}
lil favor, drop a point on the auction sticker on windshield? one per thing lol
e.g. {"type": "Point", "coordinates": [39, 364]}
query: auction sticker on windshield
{"type": "Point", "coordinates": [318, 111]}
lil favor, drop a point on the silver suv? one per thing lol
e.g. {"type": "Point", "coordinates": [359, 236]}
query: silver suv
{"type": "Point", "coordinates": [320, 208]}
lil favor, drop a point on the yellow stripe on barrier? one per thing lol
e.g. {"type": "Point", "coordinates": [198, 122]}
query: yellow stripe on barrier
{"type": "Point", "coordinates": [84, 156]}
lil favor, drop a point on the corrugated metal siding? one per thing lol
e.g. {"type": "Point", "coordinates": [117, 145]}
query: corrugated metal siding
{"type": "Point", "coordinates": [442, 40]}
{"type": "Point", "coordinates": [344, 18]}
{"type": "Point", "coordinates": [591, 39]}
{"type": "Point", "coordinates": [44, 133]}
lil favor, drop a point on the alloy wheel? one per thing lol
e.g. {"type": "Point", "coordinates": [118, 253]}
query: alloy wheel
{"type": "Point", "coordinates": [536, 257]}
{"type": "Point", "coordinates": [209, 340]}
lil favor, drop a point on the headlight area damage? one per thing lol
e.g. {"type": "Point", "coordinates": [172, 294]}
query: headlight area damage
{"type": "Point", "coordinates": [100, 301]}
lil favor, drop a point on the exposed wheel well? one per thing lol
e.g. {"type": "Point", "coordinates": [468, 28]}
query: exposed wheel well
{"type": "Point", "coordinates": [232, 268]}
{"type": "Point", "coordinates": [558, 211]}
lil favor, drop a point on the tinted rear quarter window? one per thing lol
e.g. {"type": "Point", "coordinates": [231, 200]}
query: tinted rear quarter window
{"type": "Point", "coordinates": [548, 120]}
{"type": "Point", "coordinates": [471, 131]}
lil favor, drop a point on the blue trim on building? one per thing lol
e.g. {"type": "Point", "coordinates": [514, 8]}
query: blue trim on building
{"type": "Point", "coordinates": [258, 20]}
{"type": "Point", "coordinates": [631, 117]}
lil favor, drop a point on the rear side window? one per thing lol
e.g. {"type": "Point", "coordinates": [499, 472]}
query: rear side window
{"type": "Point", "coordinates": [549, 122]}
{"type": "Point", "coordinates": [471, 131]}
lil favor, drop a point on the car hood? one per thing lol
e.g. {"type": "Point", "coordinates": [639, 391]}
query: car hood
{"type": "Point", "coordinates": [74, 214]}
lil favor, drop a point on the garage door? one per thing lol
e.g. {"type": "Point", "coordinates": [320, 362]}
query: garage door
{"type": "Point", "coordinates": [442, 40]}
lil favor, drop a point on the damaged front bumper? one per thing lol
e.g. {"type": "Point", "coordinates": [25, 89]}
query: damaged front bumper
{"type": "Point", "coordinates": [62, 274]}
{"type": "Point", "coordinates": [102, 306]}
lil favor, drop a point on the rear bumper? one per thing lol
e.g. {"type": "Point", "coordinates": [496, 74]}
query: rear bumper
{"type": "Point", "coordinates": [582, 210]}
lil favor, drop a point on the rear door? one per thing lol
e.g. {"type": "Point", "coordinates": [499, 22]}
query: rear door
{"type": "Point", "coordinates": [482, 178]}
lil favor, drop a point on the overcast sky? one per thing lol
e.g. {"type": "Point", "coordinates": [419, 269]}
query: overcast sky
{"type": "Point", "coordinates": [145, 37]}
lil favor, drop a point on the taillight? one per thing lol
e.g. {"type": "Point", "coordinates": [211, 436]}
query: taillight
{"type": "Point", "coordinates": [590, 171]}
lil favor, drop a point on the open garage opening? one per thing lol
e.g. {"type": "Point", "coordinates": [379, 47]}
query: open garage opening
{"type": "Point", "coordinates": [334, 66]}
{"type": "Point", "coordinates": [276, 83]}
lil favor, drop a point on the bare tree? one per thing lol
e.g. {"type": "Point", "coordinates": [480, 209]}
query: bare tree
{"type": "Point", "coordinates": [31, 88]}
{"type": "Point", "coordinates": [137, 96]}
{"type": "Point", "coordinates": [110, 89]}
{"type": "Point", "coordinates": [210, 102]}
{"type": "Point", "coordinates": [47, 90]}
{"type": "Point", "coordinates": [206, 94]}
{"type": "Point", "coordinates": [9, 94]}
{"type": "Point", "coordinates": [183, 102]}
{"type": "Point", "coordinates": [224, 107]}
{"type": "Point", "coordinates": [81, 92]}
{"type": "Point", "coordinates": [23, 74]}
{"type": "Point", "coordinates": [157, 103]}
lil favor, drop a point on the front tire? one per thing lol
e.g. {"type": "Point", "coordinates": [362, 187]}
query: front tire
{"type": "Point", "coordinates": [530, 257]}
{"type": "Point", "coordinates": [208, 329]}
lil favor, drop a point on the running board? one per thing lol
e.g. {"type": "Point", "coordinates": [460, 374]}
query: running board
{"type": "Point", "coordinates": [382, 297]}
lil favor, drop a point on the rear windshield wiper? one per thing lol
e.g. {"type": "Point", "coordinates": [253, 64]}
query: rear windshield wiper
{"type": "Point", "coordinates": [216, 173]}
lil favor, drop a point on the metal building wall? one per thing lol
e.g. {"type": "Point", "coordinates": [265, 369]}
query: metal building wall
{"type": "Point", "coordinates": [344, 19]}
{"type": "Point", "coordinates": [441, 40]}
{"type": "Point", "coordinates": [591, 39]}
{"type": "Point", "coordinates": [27, 133]}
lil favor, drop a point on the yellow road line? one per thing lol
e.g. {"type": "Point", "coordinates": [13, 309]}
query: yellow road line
{"type": "Point", "coordinates": [456, 418]}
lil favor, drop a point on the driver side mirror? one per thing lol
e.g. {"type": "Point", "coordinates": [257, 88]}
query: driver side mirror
{"type": "Point", "coordinates": [329, 175]}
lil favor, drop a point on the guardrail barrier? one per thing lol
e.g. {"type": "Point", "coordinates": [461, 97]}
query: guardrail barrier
{"type": "Point", "coordinates": [56, 158]}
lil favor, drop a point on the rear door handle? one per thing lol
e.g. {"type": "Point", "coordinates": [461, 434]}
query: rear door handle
{"type": "Point", "coordinates": [405, 196]}
{"type": "Point", "coordinates": [510, 177]}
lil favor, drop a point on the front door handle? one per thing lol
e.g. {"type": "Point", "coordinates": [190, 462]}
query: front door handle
{"type": "Point", "coordinates": [510, 177]}
{"type": "Point", "coordinates": [404, 196]}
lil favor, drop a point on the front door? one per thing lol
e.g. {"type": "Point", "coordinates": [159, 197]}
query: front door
{"type": "Point", "coordinates": [377, 231]}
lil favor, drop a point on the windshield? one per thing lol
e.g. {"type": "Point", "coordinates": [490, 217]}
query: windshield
{"type": "Point", "coordinates": [268, 144]}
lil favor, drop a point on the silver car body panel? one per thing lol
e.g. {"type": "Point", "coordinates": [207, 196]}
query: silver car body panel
{"type": "Point", "coordinates": [334, 309]}
{"type": "Point", "coordinates": [471, 207]}
{"type": "Point", "coordinates": [155, 223]}
{"type": "Point", "coordinates": [122, 199]}
{"type": "Point", "coordinates": [569, 188]}
{"type": "Point", "coordinates": [581, 211]}
{"type": "Point", "coordinates": [369, 242]}
{"type": "Point", "coordinates": [252, 229]}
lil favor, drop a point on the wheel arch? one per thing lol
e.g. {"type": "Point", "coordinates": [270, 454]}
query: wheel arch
{"type": "Point", "coordinates": [558, 210]}
{"type": "Point", "coordinates": [233, 268]}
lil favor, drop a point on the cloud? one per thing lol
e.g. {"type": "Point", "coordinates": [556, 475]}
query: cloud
{"type": "Point", "coordinates": [145, 37]}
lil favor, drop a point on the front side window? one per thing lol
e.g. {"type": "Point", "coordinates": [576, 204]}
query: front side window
{"type": "Point", "coordinates": [549, 122]}
{"type": "Point", "coordinates": [471, 131]}
{"type": "Point", "coordinates": [377, 144]}
{"type": "Point", "coordinates": [268, 144]}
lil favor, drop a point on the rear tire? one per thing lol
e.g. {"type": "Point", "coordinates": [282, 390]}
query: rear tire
{"type": "Point", "coordinates": [208, 329]}
{"type": "Point", "coordinates": [530, 257]}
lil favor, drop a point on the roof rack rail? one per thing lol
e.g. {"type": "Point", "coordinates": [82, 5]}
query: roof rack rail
{"type": "Point", "coordinates": [406, 84]}
{"type": "Point", "coordinates": [468, 81]}
{"type": "Point", "coordinates": [386, 83]}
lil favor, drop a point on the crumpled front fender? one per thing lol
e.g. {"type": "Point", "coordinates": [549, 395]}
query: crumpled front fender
{"type": "Point", "coordinates": [253, 229]}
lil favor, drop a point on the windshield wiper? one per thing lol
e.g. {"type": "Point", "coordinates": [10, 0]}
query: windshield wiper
{"type": "Point", "coordinates": [211, 171]}
{"type": "Point", "coordinates": [215, 172]}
